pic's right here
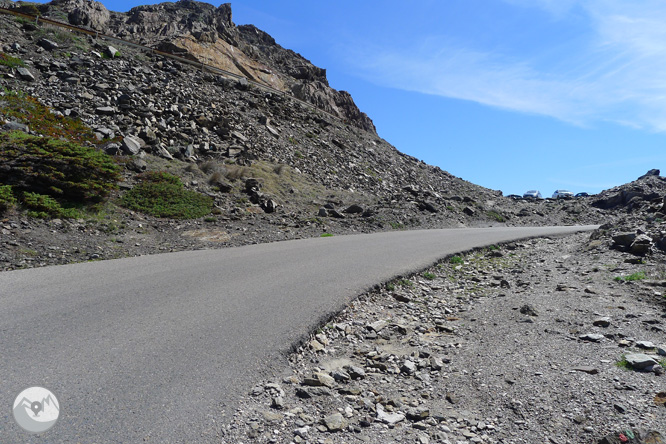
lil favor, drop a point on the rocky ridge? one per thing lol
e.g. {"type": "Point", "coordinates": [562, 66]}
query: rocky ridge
{"type": "Point", "coordinates": [206, 34]}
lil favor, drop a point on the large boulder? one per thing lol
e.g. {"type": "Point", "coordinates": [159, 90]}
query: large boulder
{"type": "Point", "coordinates": [84, 13]}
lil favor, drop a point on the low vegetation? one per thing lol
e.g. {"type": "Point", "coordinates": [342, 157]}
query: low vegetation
{"type": "Point", "coordinates": [22, 108]}
{"type": "Point", "coordinates": [640, 275]}
{"type": "Point", "coordinates": [12, 62]}
{"type": "Point", "coordinates": [162, 194]}
{"type": "Point", "coordinates": [51, 177]}
{"type": "Point", "coordinates": [7, 199]}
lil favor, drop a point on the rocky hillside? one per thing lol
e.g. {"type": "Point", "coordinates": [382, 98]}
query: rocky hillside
{"type": "Point", "coordinates": [272, 167]}
{"type": "Point", "coordinates": [203, 33]}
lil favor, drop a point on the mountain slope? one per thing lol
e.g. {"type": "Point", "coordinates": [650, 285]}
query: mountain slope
{"type": "Point", "coordinates": [275, 168]}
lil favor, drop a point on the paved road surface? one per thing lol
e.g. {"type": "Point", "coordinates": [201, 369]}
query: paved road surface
{"type": "Point", "coordinates": [158, 347]}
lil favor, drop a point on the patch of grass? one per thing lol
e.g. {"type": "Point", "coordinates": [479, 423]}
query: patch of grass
{"type": "Point", "coordinates": [405, 283]}
{"type": "Point", "coordinates": [623, 363]}
{"type": "Point", "coordinates": [450, 208]}
{"type": "Point", "coordinates": [18, 106]}
{"type": "Point", "coordinates": [390, 286]}
{"type": "Point", "coordinates": [640, 275]}
{"type": "Point", "coordinates": [325, 235]}
{"type": "Point", "coordinates": [12, 62]}
{"type": "Point", "coordinates": [293, 141]}
{"type": "Point", "coordinates": [162, 194]}
{"type": "Point", "coordinates": [22, 20]}
{"type": "Point", "coordinates": [430, 276]}
{"type": "Point", "coordinates": [67, 172]}
{"type": "Point", "coordinates": [493, 248]}
{"type": "Point", "coordinates": [456, 260]}
{"type": "Point", "coordinates": [7, 199]}
{"type": "Point", "coordinates": [298, 154]}
{"type": "Point", "coordinates": [496, 216]}
{"type": "Point", "coordinates": [397, 225]}
{"type": "Point", "coordinates": [210, 219]}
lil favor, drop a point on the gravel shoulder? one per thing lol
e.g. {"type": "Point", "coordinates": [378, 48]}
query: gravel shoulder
{"type": "Point", "coordinates": [521, 343]}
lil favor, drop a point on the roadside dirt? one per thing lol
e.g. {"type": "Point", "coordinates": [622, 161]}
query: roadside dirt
{"type": "Point", "coordinates": [522, 343]}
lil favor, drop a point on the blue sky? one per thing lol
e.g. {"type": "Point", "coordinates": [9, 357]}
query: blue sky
{"type": "Point", "coordinates": [509, 94]}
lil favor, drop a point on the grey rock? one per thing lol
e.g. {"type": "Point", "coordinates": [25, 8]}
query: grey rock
{"type": "Point", "coordinates": [47, 44]}
{"type": "Point", "coordinates": [645, 344]}
{"type": "Point", "coordinates": [340, 375]}
{"type": "Point", "coordinates": [591, 337]}
{"type": "Point", "coordinates": [528, 310]}
{"type": "Point", "coordinates": [353, 209]}
{"type": "Point", "coordinates": [640, 361]}
{"type": "Point", "coordinates": [641, 246]}
{"type": "Point", "coordinates": [319, 379]}
{"type": "Point", "coordinates": [408, 367]}
{"type": "Point", "coordinates": [436, 363]}
{"type": "Point", "coordinates": [602, 322]}
{"type": "Point", "coordinates": [277, 402]}
{"type": "Point", "coordinates": [111, 51]}
{"type": "Point", "coordinates": [25, 74]}
{"type": "Point", "coordinates": [137, 165]}
{"type": "Point", "coordinates": [388, 418]}
{"type": "Point", "coordinates": [105, 110]}
{"type": "Point", "coordinates": [624, 239]}
{"type": "Point", "coordinates": [16, 126]}
{"type": "Point", "coordinates": [417, 413]}
{"type": "Point", "coordinates": [335, 422]}
{"type": "Point", "coordinates": [355, 372]}
{"type": "Point", "coordinates": [302, 431]}
{"type": "Point", "coordinates": [132, 145]}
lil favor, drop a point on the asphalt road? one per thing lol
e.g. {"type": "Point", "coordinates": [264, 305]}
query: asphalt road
{"type": "Point", "coordinates": [157, 348]}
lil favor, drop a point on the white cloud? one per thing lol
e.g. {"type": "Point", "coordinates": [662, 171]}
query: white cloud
{"type": "Point", "coordinates": [617, 73]}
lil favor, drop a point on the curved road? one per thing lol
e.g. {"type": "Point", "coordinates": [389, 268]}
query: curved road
{"type": "Point", "coordinates": [157, 348]}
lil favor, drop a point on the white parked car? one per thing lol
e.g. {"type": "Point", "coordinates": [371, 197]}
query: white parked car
{"type": "Point", "coordinates": [532, 194]}
{"type": "Point", "coordinates": [562, 194]}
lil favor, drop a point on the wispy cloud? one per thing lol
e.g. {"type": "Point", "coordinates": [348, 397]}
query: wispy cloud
{"type": "Point", "coordinates": [616, 74]}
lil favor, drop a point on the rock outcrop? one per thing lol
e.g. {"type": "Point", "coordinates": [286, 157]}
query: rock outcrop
{"type": "Point", "coordinates": [206, 34]}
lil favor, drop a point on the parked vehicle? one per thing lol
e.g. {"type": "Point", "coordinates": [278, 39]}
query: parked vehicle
{"type": "Point", "coordinates": [562, 194]}
{"type": "Point", "coordinates": [532, 194]}
{"type": "Point", "coordinates": [514, 197]}
{"type": "Point", "coordinates": [582, 194]}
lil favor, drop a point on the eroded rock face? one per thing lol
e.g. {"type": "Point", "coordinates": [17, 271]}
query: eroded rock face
{"type": "Point", "coordinates": [90, 14]}
{"type": "Point", "coordinates": [203, 33]}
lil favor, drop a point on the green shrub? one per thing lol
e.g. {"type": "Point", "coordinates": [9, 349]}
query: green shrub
{"type": "Point", "coordinates": [43, 206]}
{"type": "Point", "coordinates": [325, 235]}
{"type": "Point", "coordinates": [63, 170]}
{"type": "Point", "coordinates": [163, 195]}
{"type": "Point", "coordinates": [456, 260]}
{"type": "Point", "coordinates": [429, 276]}
{"type": "Point", "coordinates": [7, 199]}
{"type": "Point", "coordinates": [12, 62]}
